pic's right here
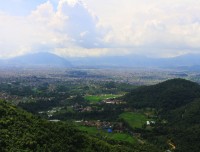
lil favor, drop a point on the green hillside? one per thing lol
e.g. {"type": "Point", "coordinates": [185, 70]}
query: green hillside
{"type": "Point", "coordinates": [184, 126]}
{"type": "Point", "coordinates": [167, 95]}
{"type": "Point", "coordinates": [21, 131]}
{"type": "Point", "coordinates": [178, 105]}
{"type": "Point", "coordinates": [174, 105]}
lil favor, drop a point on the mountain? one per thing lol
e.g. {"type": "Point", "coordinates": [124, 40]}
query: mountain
{"type": "Point", "coordinates": [38, 59]}
{"type": "Point", "coordinates": [189, 62]}
{"type": "Point", "coordinates": [184, 61]}
{"type": "Point", "coordinates": [167, 95]}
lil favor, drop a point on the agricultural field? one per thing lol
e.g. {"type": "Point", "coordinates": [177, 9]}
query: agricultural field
{"type": "Point", "coordinates": [134, 120]}
{"type": "Point", "coordinates": [110, 136]}
{"type": "Point", "coordinates": [93, 99]}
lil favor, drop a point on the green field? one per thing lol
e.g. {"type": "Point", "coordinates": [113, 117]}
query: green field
{"type": "Point", "coordinates": [135, 120]}
{"type": "Point", "coordinates": [112, 136]}
{"type": "Point", "coordinates": [98, 98]}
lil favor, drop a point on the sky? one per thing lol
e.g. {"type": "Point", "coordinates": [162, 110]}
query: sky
{"type": "Point", "coordinates": [86, 28]}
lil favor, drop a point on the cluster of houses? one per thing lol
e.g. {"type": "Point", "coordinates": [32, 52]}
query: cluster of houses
{"type": "Point", "coordinates": [80, 108]}
{"type": "Point", "coordinates": [8, 97]}
{"type": "Point", "coordinates": [117, 127]}
{"type": "Point", "coordinates": [51, 112]}
{"type": "Point", "coordinates": [149, 123]}
{"type": "Point", "coordinates": [113, 101]}
{"type": "Point", "coordinates": [105, 125]}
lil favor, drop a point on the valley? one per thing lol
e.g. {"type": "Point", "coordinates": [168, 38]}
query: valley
{"type": "Point", "coordinates": [104, 105]}
{"type": "Point", "coordinates": [99, 76]}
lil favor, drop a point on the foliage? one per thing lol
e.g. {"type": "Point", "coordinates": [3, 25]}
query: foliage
{"type": "Point", "coordinates": [109, 136]}
{"type": "Point", "coordinates": [168, 95]}
{"type": "Point", "coordinates": [134, 120]}
{"type": "Point", "coordinates": [178, 103]}
{"type": "Point", "coordinates": [21, 131]}
{"type": "Point", "coordinates": [98, 98]}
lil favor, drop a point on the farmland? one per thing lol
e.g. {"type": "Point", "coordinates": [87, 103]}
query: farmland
{"type": "Point", "coordinates": [134, 120]}
{"type": "Point", "coordinates": [97, 98]}
{"type": "Point", "coordinates": [125, 137]}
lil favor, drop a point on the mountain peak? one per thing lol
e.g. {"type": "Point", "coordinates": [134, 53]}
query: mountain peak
{"type": "Point", "coordinates": [39, 59]}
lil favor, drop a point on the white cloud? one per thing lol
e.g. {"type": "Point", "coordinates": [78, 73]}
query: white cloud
{"type": "Point", "coordinates": [93, 28]}
{"type": "Point", "coordinates": [85, 52]}
{"type": "Point", "coordinates": [151, 27]}
{"type": "Point", "coordinates": [48, 29]}
{"type": "Point", "coordinates": [72, 2]}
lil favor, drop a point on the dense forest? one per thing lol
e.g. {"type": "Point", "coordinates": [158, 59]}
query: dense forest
{"type": "Point", "coordinates": [21, 131]}
{"type": "Point", "coordinates": [177, 103]}
{"type": "Point", "coordinates": [167, 95]}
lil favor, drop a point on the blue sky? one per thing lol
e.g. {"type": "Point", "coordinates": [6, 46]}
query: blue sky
{"type": "Point", "coordinates": [19, 7]}
{"type": "Point", "coordinates": [75, 28]}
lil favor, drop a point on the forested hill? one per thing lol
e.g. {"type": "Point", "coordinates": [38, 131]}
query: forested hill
{"type": "Point", "coordinates": [178, 112]}
{"type": "Point", "coordinates": [21, 131]}
{"type": "Point", "coordinates": [167, 95]}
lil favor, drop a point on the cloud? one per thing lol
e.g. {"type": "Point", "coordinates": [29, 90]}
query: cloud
{"type": "Point", "coordinates": [94, 28]}
{"type": "Point", "coordinates": [151, 27]}
{"type": "Point", "coordinates": [161, 26]}
{"type": "Point", "coordinates": [80, 21]}
{"type": "Point", "coordinates": [70, 25]}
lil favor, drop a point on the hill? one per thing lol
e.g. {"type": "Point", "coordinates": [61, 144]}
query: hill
{"type": "Point", "coordinates": [38, 59]}
{"type": "Point", "coordinates": [167, 95]}
{"type": "Point", "coordinates": [178, 108]}
{"type": "Point", "coordinates": [21, 131]}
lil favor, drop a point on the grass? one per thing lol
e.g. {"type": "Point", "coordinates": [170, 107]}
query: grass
{"type": "Point", "coordinates": [135, 120]}
{"type": "Point", "coordinates": [123, 137]}
{"type": "Point", "coordinates": [90, 130]}
{"type": "Point", "coordinates": [111, 136]}
{"type": "Point", "coordinates": [97, 98]}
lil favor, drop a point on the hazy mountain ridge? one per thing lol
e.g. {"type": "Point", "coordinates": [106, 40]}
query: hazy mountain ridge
{"type": "Point", "coordinates": [38, 59]}
{"type": "Point", "coordinates": [185, 62]}
{"type": "Point", "coordinates": [188, 61]}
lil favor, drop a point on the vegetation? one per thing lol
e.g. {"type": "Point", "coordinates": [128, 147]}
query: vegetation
{"type": "Point", "coordinates": [134, 120]}
{"type": "Point", "coordinates": [21, 131]}
{"type": "Point", "coordinates": [177, 122]}
{"type": "Point", "coordinates": [97, 98]}
{"type": "Point", "coordinates": [173, 105]}
{"type": "Point", "coordinates": [109, 136]}
{"type": "Point", "coordinates": [168, 95]}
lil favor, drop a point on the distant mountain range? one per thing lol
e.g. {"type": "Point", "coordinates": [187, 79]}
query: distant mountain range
{"type": "Point", "coordinates": [185, 62]}
{"type": "Point", "coordinates": [38, 59]}
{"type": "Point", "coordinates": [182, 62]}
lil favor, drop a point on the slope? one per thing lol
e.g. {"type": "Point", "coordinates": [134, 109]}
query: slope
{"type": "Point", "coordinates": [21, 131]}
{"type": "Point", "coordinates": [132, 60]}
{"type": "Point", "coordinates": [178, 104]}
{"type": "Point", "coordinates": [39, 59]}
{"type": "Point", "coordinates": [167, 95]}
{"type": "Point", "coordinates": [184, 127]}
